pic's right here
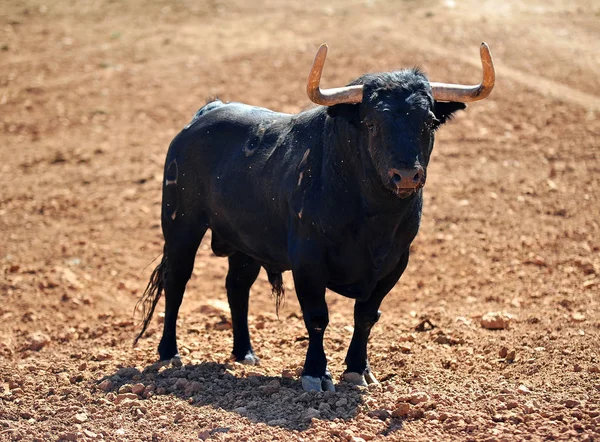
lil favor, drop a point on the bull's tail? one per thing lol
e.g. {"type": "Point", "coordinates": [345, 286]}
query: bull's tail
{"type": "Point", "coordinates": [151, 295]}
{"type": "Point", "coordinates": [277, 289]}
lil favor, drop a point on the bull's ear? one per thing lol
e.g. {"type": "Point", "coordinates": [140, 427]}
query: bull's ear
{"type": "Point", "coordinates": [347, 111]}
{"type": "Point", "coordinates": [444, 111]}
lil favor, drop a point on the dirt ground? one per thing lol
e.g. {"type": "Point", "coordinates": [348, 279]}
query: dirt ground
{"type": "Point", "coordinates": [92, 92]}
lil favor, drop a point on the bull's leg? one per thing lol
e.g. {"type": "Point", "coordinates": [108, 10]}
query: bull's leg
{"type": "Point", "coordinates": [243, 271]}
{"type": "Point", "coordinates": [366, 314]}
{"type": "Point", "coordinates": [180, 253]}
{"type": "Point", "coordinates": [310, 289]}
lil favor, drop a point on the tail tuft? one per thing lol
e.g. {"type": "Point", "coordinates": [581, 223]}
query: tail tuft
{"type": "Point", "coordinates": [278, 290]}
{"type": "Point", "coordinates": [151, 296]}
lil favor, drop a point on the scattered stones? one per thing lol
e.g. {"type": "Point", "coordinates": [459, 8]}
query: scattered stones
{"type": "Point", "coordinates": [495, 320]}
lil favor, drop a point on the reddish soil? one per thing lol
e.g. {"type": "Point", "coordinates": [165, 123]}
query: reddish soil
{"type": "Point", "coordinates": [91, 93]}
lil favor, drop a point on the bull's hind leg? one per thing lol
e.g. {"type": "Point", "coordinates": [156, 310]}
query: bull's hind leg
{"type": "Point", "coordinates": [180, 253]}
{"type": "Point", "coordinates": [366, 314]}
{"type": "Point", "coordinates": [243, 271]}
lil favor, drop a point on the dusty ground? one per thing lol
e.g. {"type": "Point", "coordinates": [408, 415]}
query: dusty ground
{"type": "Point", "coordinates": [91, 93]}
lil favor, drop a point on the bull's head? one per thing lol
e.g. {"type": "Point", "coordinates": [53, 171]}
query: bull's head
{"type": "Point", "coordinates": [397, 115]}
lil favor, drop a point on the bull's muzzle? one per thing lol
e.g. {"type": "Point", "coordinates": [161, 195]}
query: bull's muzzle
{"type": "Point", "coordinates": [407, 180]}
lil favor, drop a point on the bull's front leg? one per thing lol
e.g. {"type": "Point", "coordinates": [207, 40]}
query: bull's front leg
{"type": "Point", "coordinates": [366, 314]}
{"type": "Point", "coordinates": [310, 285]}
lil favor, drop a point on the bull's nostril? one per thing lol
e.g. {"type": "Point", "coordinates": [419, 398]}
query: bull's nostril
{"type": "Point", "coordinates": [417, 177]}
{"type": "Point", "coordinates": [396, 178]}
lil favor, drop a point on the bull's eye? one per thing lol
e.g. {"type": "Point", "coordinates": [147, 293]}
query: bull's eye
{"type": "Point", "coordinates": [431, 121]}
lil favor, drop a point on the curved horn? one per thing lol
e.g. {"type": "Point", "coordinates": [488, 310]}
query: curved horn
{"type": "Point", "coordinates": [462, 93]}
{"type": "Point", "coordinates": [329, 97]}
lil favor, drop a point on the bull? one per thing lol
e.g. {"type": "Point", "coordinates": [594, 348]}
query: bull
{"type": "Point", "coordinates": [334, 194]}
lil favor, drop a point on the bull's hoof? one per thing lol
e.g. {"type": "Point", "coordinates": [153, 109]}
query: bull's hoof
{"type": "Point", "coordinates": [363, 379]}
{"type": "Point", "coordinates": [249, 359]}
{"type": "Point", "coordinates": [313, 383]}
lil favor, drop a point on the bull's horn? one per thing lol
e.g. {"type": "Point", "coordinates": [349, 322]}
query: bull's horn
{"type": "Point", "coordinates": [329, 97]}
{"type": "Point", "coordinates": [462, 93]}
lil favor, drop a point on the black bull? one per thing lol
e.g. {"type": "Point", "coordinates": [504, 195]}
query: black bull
{"type": "Point", "coordinates": [333, 194]}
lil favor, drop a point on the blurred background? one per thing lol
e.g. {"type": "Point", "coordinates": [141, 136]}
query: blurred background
{"type": "Point", "coordinates": [92, 92]}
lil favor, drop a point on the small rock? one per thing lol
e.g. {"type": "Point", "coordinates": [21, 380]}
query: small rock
{"type": "Point", "coordinates": [241, 410]}
{"type": "Point", "coordinates": [571, 403]}
{"type": "Point", "coordinates": [380, 414]}
{"type": "Point", "coordinates": [181, 383]}
{"type": "Point", "coordinates": [311, 413]}
{"type": "Point", "coordinates": [105, 385]}
{"type": "Point", "coordinates": [138, 388]}
{"type": "Point", "coordinates": [356, 439]}
{"type": "Point", "coordinates": [37, 341]}
{"type": "Point", "coordinates": [523, 389]}
{"type": "Point", "coordinates": [81, 417]}
{"type": "Point", "coordinates": [593, 369]}
{"type": "Point", "coordinates": [401, 410]}
{"type": "Point", "coordinates": [279, 422]}
{"type": "Point", "coordinates": [530, 407]}
{"type": "Point", "coordinates": [503, 352]}
{"type": "Point", "coordinates": [343, 401]}
{"type": "Point", "coordinates": [90, 434]}
{"type": "Point", "coordinates": [289, 374]}
{"type": "Point", "coordinates": [578, 317]}
{"type": "Point", "coordinates": [418, 397]}
{"type": "Point", "coordinates": [203, 435]}
{"type": "Point", "coordinates": [511, 355]}
{"type": "Point", "coordinates": [271, 387]}
{"type": "Point", "coordinates": [125, 388]}
{"type": "Point", "coordinates": [192, 388]}
{"type": "Point", "coordinates": [495, 320]}
{"type": "Point", "coordinates": [121, 397]}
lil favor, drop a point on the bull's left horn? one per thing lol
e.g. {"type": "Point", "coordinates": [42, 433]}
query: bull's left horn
{"type": "Point", "coordinates": [462, 93]}
{"type": "Point", "coordinates": [329, 97]}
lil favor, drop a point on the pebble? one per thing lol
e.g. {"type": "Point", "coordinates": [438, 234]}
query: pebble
{"type": "Point", "coordinates": [356, 439]}
{"type": "Point", "coordinates": [343, 401]}
{"type": "Point", "coordinates": [81, 417]}
{"type": "Point", "coordinates": [181, 383]}
{"type": "Point", "coordinates": [37, 341]}
{"type": "Point", "coordinates": [138, 388]}
{"type": "Point", "coordinates": [571, 403]}
{"type": "Point", "coordinates": [380, 414]}
{"type": "Point", "coordinates": [495, 320]}
{"type": "Point", "coordinates": [311, 413]}
{"type": "Point", "coordinates": [401, 410]}
{"type": "Point", "coordinates": [418, 397]}
{"type": "Point", "coordinates": [271, 387]}
{"type": "Point", "coordinates": [121, 397]}
{"type": "Point", "coordinates": [241, 410]}
{"type": "Point", "coordinates": [523, 389]}
{"type": "Point", "coordinates": [105, 385]}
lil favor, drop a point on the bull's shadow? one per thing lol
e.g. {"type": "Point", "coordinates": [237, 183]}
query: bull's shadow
{"type": "Point", "coordinates": [276, 401]}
